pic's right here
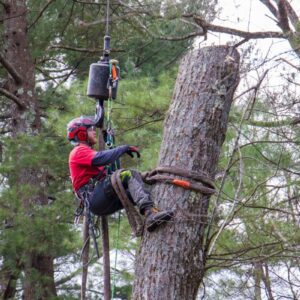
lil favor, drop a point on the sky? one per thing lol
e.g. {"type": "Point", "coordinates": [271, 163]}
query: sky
{"type": "Point", "coordinates": [252, 15]}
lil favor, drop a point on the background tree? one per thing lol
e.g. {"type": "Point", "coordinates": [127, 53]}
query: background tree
{"type": "Point", "coordinates": [44, 46]}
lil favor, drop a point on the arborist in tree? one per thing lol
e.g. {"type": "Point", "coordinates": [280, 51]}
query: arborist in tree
{"type": "Point", "coordinates": [88, 168]}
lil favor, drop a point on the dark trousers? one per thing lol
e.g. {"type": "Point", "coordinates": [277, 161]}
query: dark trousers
{"type": "Point", "coordinates": [104, 201]}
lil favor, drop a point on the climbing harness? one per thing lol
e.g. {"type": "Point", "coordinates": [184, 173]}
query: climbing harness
{"type": "Point", "coordinates": [84, 195]}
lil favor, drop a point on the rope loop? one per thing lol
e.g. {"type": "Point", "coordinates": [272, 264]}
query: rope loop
{"type": "Point", "coordinates": [197, 181]}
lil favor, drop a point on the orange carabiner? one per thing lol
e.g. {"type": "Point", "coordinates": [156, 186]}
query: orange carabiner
{"type": "Point", "coordinates": [114, 73]}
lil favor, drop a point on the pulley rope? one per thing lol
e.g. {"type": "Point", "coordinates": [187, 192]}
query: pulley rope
{"type": "Point", "coordinates": [199, 181]}
{"type": "Point", "coordinates": [110, 144]}
{"type": "Point", "coordinates": [107, 18]}
{"type": "Point", "coordinates": [117, 237]}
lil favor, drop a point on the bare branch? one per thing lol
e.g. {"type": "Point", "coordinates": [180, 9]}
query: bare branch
{"type": "Point", "coordinates": [270, 124]}
{"type": "Point", "coordinates": [289, 63]}
{"type": "Point", "coordinates": [85, 50]}
{"type": "Point", "coordinates": [244, 34]}
{"type": "Point", "coordinates": [181, 38]}
{"type": "Point", "coordinates": [11, 70]}
{"type": "Point", "coordinates": [292, 14]}
{"type": "Point", "coordinates": [283, 17]}
{"type": "Point", "coordinates": [141, 125]}
{"type": "Point", "coordinates": [40, 13]}
{"type": "Point", "coordinates": [271, 7]}
{"type": "Point", "coordinates": [12, 97]}
{"type": "Point", "coordinates": [90, 3]}
{"type": "Point", "coordinates": [256, 89]}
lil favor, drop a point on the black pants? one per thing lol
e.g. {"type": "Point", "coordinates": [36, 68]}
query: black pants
{"type": "Point", "coordinates": [104, 201]}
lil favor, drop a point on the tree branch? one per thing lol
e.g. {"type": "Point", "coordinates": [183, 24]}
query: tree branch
{"type": "Point", "coordinates": [12, 97]}
{"type": "Point", "coordinates": [283, 17]}
{"type": "Point", "coordinates": [85, 50]}
{"type": "Point", "coordinates": [40, 13]}
{"type": "Point", "coordinates": [292, 14]}
{"type": "Point", "coordinates": [11, 70]}
{"type": "Point", "coordinates": [244, 34]}
{"type": "Point", "coordinates": [140, 125]}
{"type": "Point", "coordinates": [271, 7]}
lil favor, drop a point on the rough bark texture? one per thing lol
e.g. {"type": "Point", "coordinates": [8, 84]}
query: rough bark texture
{"type": "Point", "coordinates": [20, 86]}
{"type": "Point", "coordinates": [170, 263]}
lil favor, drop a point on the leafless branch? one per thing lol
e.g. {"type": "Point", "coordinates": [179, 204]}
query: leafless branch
{"type": "Point", "coordinates": [90, 3]}
{"type": "Point", "coordinates": [256, 89]}
{"type": "Point", "coordinates": [11, 70]}
{"type": "Point", "coordinates": [289, 63]}
{"type": "Point", "coordinates": [41, 13]}
{"type": "Point", "coordinates": [283, 17]}
{"type": "Point", "coordinates": [244, 34]}
{"type": "Point", "coordinates": [84, 50]}
{"type": "Point", "coordinates": [271, 7]}
{"type": "Point", "coordinates": [141, 125]}
{"type": "Point", "coordinates": [68, 75]}
{"type": "Point", "coordinates": [291, 14]}
{"type": "Point", "coordinates": [12, 97]}
{"type": "Point", "coordinates": [69, 19]}
{"type": "Point", "coordinates": [181, 38]}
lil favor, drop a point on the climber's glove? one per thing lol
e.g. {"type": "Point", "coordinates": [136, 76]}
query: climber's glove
{"type": "Point", "coordinates": [133, 149]}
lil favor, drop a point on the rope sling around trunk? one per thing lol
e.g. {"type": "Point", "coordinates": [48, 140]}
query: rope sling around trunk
{"type": "Point", "coordinates": [199, 182]}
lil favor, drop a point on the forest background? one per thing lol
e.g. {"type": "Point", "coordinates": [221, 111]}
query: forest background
{"type": "Point", "coordinates": [255, 248]}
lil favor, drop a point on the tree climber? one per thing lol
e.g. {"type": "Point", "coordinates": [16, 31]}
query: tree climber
{"type": "Point", "coordinates": [87, 164]}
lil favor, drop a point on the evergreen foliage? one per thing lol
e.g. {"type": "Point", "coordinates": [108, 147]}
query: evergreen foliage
{"type": "Point", "coordinates": [262, 185]}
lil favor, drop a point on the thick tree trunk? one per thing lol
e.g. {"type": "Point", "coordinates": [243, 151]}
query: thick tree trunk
{"type": "Point", "coordinates": [20, 88]}
{"type": "Point", "coordinates": [170, 263]}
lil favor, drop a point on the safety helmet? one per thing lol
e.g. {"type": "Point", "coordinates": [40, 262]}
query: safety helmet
{"type": "Point", "coordinates": [77, 128]}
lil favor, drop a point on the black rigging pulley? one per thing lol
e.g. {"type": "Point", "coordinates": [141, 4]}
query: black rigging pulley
{"type": "Point", "coordinates": [103, 77]}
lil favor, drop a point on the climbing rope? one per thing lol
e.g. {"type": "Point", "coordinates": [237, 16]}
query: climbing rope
{"type": "Point", "coordinates": [199, 182]}
{"type": "Point", "coordinates": [107, 18]}
{"type": "Point", "coordinates": [116, 255]}
{"type": "Point", "coordinates": [134, 219]}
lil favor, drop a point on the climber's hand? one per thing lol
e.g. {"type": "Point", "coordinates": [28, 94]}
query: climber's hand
{"type": "Point", "coordinates": [133, 149]}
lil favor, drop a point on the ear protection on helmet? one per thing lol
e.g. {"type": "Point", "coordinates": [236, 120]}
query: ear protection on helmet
{"type": "Point", "coordinates": [77, 128]}
{"type": "Point", "coordinates": [82, 134]}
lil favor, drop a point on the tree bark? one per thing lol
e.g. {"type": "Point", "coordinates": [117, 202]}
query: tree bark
{"type": "Point", "coordinates": [16, 59]}
{"type": "Point", "coordinates": [257, 276]}
{"type": "Point", "coordinates": [171, 261]}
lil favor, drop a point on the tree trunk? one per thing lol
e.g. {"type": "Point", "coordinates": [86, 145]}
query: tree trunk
{"type": "Point", "coordinates": [20, 89]}
{"type": "Point", "coordinates": [170, 263]}
{"type": "Point", "coordinates": [257, 276]}
{"type": "Point", "coordinates": [267, 281]}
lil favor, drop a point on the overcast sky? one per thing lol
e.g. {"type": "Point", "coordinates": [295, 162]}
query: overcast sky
{"type": "Point", "coordinates": [252, 15]}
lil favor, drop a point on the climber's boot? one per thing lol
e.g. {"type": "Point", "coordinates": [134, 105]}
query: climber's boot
{"type": "Point", "coordinates": [155, 218]}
